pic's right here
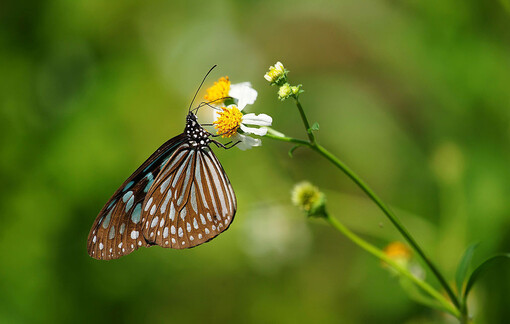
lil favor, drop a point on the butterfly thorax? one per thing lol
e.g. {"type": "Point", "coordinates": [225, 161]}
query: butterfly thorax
{"type": "Point", "coordinates": [197, 135]}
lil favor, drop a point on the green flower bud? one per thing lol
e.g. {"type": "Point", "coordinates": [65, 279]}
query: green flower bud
{"type": "Point", "coordinates": [285, 92]}
{"type": "Point", "coordinates": [308, 198]}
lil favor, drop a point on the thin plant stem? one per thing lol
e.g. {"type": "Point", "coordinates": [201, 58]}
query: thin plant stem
{"type": "Point", "coordinates": [309, 131]}
{"type": "Point", "coordinates": [391, 216]}
{"type": "Point", "coordinates": [447, 306]}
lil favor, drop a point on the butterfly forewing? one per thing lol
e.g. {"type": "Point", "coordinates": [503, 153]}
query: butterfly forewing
{"type": "Point", "coordinates": [117, 229]}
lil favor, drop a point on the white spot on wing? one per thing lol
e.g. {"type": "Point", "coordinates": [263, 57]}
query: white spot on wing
{"type": "Point", "coordinates": [193, 197]}
{"type": "Point", "coordinates": [172, 211]}
{"type": "Point", "coordinates": [165, 232]}
{"type": "Point", "coordinates": [164, 185]}
{"type": "Point", "coordinates": [148, 205]}
{"type": "Point", "coordinates": [198, 179]}
{"type": "Point", "coordinates": [134, 234]}
{"type": "Point", "coordinates": [165, 203]}
{"type": "Point", "coordinates": [154, 221]}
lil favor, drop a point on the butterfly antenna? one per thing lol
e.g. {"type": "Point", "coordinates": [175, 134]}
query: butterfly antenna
{"type": "Point", "coordinates": [200, 86]}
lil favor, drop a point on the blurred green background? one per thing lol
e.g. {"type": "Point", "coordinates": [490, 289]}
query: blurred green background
{"type": "Point", "coordinates": [413, 95]}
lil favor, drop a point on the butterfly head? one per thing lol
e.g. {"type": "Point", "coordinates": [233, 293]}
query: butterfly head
{"type": "Point", "coordinates": [197, 135]}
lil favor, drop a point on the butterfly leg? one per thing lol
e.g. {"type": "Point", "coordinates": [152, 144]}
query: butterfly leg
{"type": "Point", "coordinates": [226, 146]}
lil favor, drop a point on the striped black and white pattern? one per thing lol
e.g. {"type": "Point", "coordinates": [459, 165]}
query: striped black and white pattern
{"type": "Point", "coordinates": [179, 198]}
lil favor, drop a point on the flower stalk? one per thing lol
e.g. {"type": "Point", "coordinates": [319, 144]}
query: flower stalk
{"type": "Point", "coordinates": [391, 216]}
{"type": "Point", "coordinates": [445, 304]}
{"type": "Point", "coordinates": [454, 307]}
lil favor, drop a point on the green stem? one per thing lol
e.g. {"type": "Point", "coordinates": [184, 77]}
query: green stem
{"type": "Point", "coordinates": [309, 131]}
{"type": "Point", "coordinates": [396, 222]}
{"type": "Point", "coordinates": [403, 271]}
{"type": "Point", "coordinates": [391, 216]}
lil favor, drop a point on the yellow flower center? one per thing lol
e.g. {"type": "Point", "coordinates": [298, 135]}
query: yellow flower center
{"type": "Point", "coordinates": [229, 121]}
{"type": "Point", "coordinates": [218, 90]}
{"type": "Point", "coordinates": [274, 73]}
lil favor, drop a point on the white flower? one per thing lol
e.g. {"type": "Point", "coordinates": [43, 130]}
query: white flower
{"type": "Point", "coordinates": [243, 93]}
{"type": "Point", "coordinates": [275, 73]}
{"type": "Point", "coordinates": [230, 119]}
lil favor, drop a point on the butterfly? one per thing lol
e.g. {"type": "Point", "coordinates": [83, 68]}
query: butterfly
{"type": "Point", "coordinates": [180, 197]}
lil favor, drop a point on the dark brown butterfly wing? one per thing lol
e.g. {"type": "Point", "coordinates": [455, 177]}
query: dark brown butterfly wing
{"type": "Point", "coordinates": [117, 229]}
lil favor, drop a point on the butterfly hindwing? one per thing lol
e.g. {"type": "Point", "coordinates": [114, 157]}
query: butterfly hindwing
{"type": "Point", "coordinates": [117, 228]}
{"type": "Point", "coordinates": [191, 202]}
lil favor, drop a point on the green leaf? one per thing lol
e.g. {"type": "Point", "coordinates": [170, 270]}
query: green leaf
{"type": "Point", "coordinates": [315, 126]}
{"type": "Point", "coordinates": [463, 267]}
{"type": "Point", "coordinates": [481, 270]}
{"type": "Point", "coordinates": [291, 151]}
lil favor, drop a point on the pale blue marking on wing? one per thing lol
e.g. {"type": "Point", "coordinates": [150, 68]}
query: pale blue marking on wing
{"type": "Point", "coordinates": [130, 203]}
{"type": "Point", "coordinates": [168, 150]}
{"type": "Point", "coordinates": [127, 195]}
{"type": "Point", "coordinates": [111, 204]}
{"type": "Point", "coordinates": [131, 183]}
{"type": "Point", "coordinates": [135, 217]}
{"type": "Point", "coordinates": [150, 179]}
{"type": "Point", "coordinates": [107, 219]}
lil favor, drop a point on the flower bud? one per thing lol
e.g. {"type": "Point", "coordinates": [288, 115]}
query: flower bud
{"type": "Point", "coordinates": [276, 74]}
{"type": "Point", "coordinates": [308, 198]}
{"type": "Point", "coordinates": [399, 253]}
{"type": "Point", "coordinates": [285, 92]}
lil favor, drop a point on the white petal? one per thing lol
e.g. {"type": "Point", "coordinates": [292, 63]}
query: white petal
{"type": "Point", "coordinates": [247, 142]}
{"type": "Point", "coordinates": [259, 120]}
{"type": "Point", "coordinates": [252, 130]}
{"type": "Point", "coordinates": [244, 94]}
{"type": "Point", "coordinates": [216, 115]}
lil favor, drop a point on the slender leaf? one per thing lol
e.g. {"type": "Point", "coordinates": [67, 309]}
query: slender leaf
{"type": "Point", "coordinates": [463, 267]}
{"type": "Point", "coordinates": [481, 269]}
